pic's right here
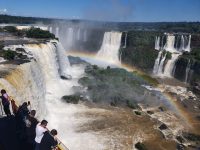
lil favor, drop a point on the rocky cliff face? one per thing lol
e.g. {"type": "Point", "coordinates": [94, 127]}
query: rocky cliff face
{"type": "Point", "coordinates": [139, 50]}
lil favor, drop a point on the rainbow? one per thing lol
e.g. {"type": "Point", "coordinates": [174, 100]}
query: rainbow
{"type": "Point", "coordinates": [179, 109]}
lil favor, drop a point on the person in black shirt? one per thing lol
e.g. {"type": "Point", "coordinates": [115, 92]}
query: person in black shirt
{"type": "Point", "coordinates": [49, 141]}
{"type": "Point", "coordinates": [31, 123]}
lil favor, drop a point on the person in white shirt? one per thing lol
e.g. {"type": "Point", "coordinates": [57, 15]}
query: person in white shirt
{"type": "Point", "coordinates": [40, 129]}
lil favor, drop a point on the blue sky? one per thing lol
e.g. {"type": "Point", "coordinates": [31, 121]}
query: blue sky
{"type": "Point", "coordinates": [109, 10]}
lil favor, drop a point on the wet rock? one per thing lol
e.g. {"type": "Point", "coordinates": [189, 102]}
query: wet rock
{"type": "Point", "coordinates": [138, 113]}
{"type": "Point", "coordinates": [66, 77]}
{"type": "Point", "coordinates": [150, 112]}
{"type": "Point", "coordinates": [140, 146]}
{"type": "Point", "coordinates": [191, 136]}
{"type": "Point", "coordinates": [180, 139]}
{"type": "Point", "coordinates": [163, 127]}
{"type": "Point", "coordinates": [20, 50]}
{"type": "Point", "coordinates": [196, 87]}
{"type": "Point", "coordinates": [74, 99]}
{"type": "Point", "coordinates": [194, 147]}
{"type": "Point", "coordinates": [198, 118]}
{"type": "Point", "coordinates": [180, 147]}
{"type": "Point", "coordinates": [162, 108]}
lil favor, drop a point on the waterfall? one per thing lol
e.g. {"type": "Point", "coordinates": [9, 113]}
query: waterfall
{"type": "Point", "coordinates": [157, 43]}
{"type": "Point", "coordinates": [174, 69]}
{"type": "Point", "coordinates": [168, 71]}
{"type": "Point", "coordinates": [162, 43]}
{"type": "Point", "coordinates": [176, 43]}
{"type": "Point", "coordinates": [39, 82]}
{"type": "Point", "coordinates": [32, 81]}
{"type": "Point", "coordinates": [57, 32]}
{"type": "Point", "coordinates": [161, 65]}
{"type": "Point", "coordinates": [26, 83]}
{"type": "Point", "coordinates": [169, 45]}
{"type": "Point", "coordinates": [109, 50]}
{"type": "Point", "coordinates": [78, 34]}
{"type": "Point", "coordinates": [50, 29]}
{"type": "Point", "coordinates": [125, 41]}
{"type": "Point", "coordinates": [182, 46]}
{"type": "Point", "coordinates": [187, 71]}
{"type": "Point", "coordinates": [157, 62]}
{"type": "Point", "coordinates": [175, 52]}
{"type": "Point", "coordinates": [69, 37]}
{"type": "Point", "coordinates": [64, 65]}
{"type": "Point", "coordinates": [85, 36]}
{"type": "Point", "coordinates": [188, 45]}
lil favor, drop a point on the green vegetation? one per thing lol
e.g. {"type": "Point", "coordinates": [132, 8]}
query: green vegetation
{"type": "Point", "coordinates": [149, 79]}
{"type": "Point", "coordinates": [8, 54]}
{"type": "Point", "coordinates": [190, 27]}
{"type": "Point", "coordinates": [10, 29]}
{"type": "Point", "coordinates": [22, 20]}
{"type": "Point", "coordinates": [113, 86]}
{"type": "Point", "coordinates": [1, 45]}
{"type": "Point", "coordinates": [194, 58]}
{"type": "Point", "coordinates": [74, 99]}
{"type": "Point", "coordinates": [13, 55]}
{"type": "Point", "coordinates": [131, 104]}
{"type": "Point", "coordinates": [195, 53]}
{"type": "Point", "coordinates": [38, 33]}
{"type": "Point", "coordinates": [168, 55]}
{"type": "Point", "coordinates": [30, 33]}
{"type": "Point", "coordinates": [1, 29]}
{"type": "Point", "coordinates": [140, 49]}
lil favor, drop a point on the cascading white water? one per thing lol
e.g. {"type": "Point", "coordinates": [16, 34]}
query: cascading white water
{"type": "Point", "coordinates": [57, 32]}
{"type": "Point", "coordinates": [109, 50]}
{"type": "Point", "coordinates": [168, 71]}
{"type": "Point", "coordinates": [174, 70]}
{"type": "Point", "coordinates": [50, 29]}
{"type": "Point", "coordinates": [157, 62]}
{"type": "Point", "coordinates": [30, 82]}
{"type": "Point", "coordinates": [169, 45]}
{"type": "Point", "coordinates": [26, 83]}
{"type": "Point", "coordinates": [187, 71]}
{"type": "Point", "coordinates": [157, 43]}
{"type": "Point", "coordinates": [85, 36]}
{"type": "Point", "coordinates": [182, 46]}
{"type": "Point", "coordinates": [64, 65]}
{"type": "Point", "coordinates": [78, 34]}
{"type": "Point", "coordinates": [39, 82]}
{"type": "Point", "coordinates": [69, 37]}
{"type": "Point", "coordinates": [188, 45]}
{"type": "Point", "coordinates": [175, 52]}
{"type": "Point", "coordinates": [161, 65]}
{"type": "Point", "coordinates": [125, 41]}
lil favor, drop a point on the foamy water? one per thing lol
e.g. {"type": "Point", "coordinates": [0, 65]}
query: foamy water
{"type": "Point", "coordinates": [65, 117]}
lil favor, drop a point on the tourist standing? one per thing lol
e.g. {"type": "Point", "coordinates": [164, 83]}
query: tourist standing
{"type": "Point", "coordinates": [49, 140]}
{"type": "Point", "coordinates": [5, 101]}
{"type": "Point", "coordinates": [31, 123]}
{"type": "Point", "coordinates": [40, 129]}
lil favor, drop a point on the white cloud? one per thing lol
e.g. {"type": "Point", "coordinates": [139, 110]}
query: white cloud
{"type": "Point", "coordinates": [3, 11]}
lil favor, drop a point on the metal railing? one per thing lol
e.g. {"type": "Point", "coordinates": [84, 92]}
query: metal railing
{"type": "Point", "coordinates": [60, 146]}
